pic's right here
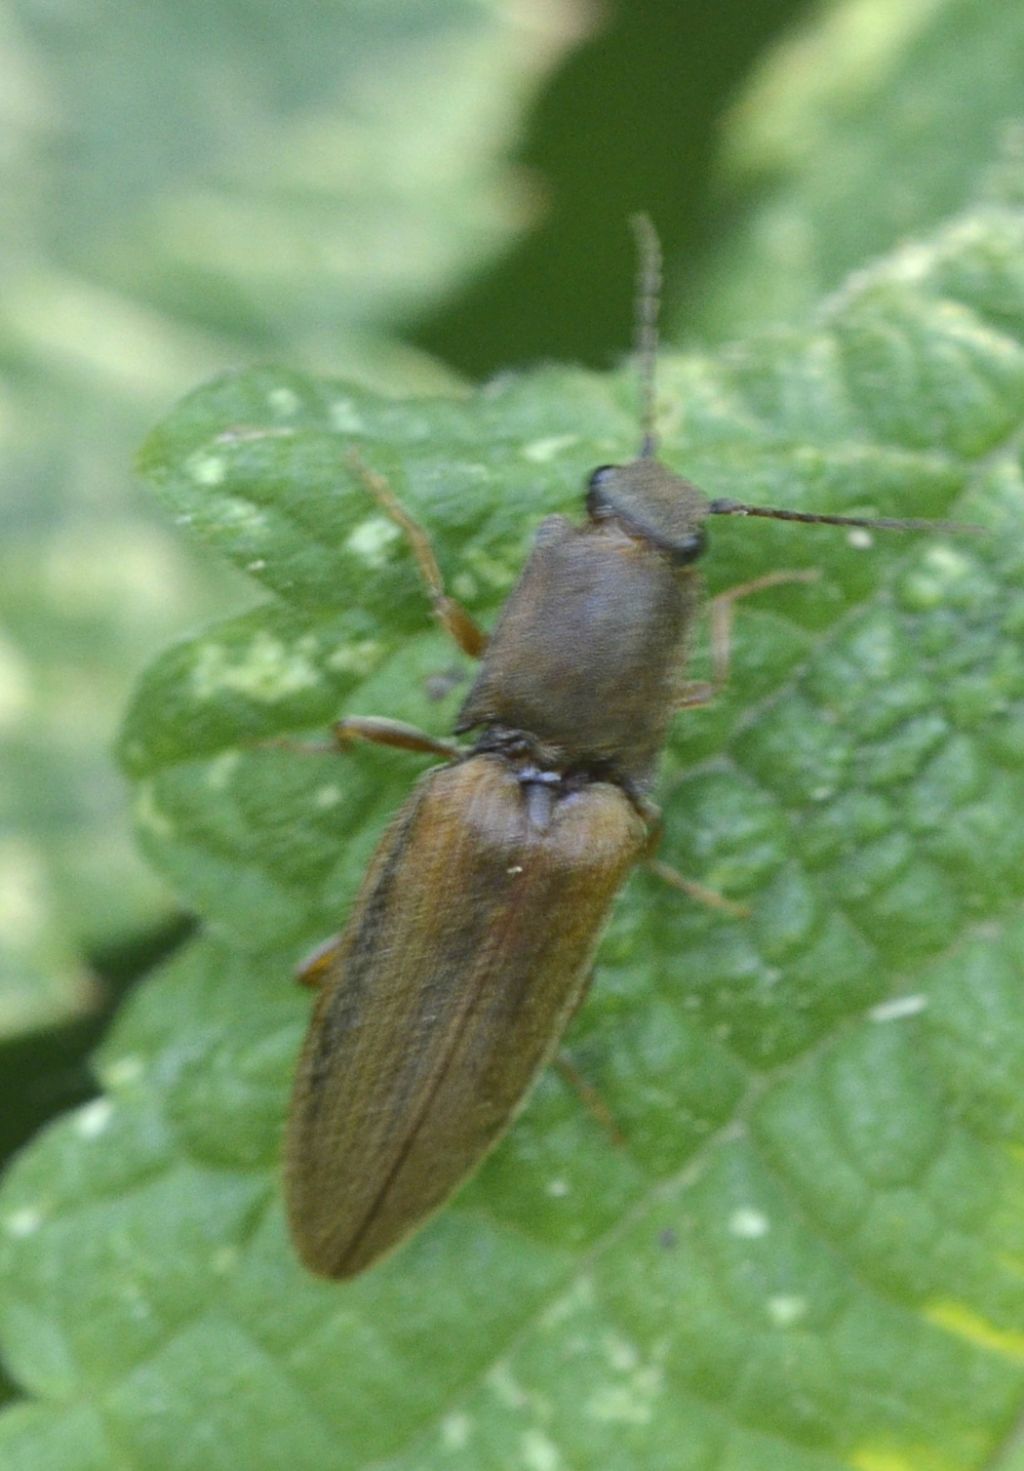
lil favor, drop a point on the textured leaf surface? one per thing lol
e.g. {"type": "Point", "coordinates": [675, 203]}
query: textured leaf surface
{"type": "Point", "coordinates": [808, 1254]}
{"type": "Point", "coordinates": [873, 122]}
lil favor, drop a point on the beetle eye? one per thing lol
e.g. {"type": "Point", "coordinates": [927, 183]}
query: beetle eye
{"type": "Point", "coordinates": [689, 548]}
{"type": "Point", "coordinates": [599, 476]}
{"type": "Point", "coordinates": [597, 482]}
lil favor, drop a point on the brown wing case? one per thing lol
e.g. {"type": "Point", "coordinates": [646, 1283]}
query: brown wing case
{"type": "Point", "coordinates": [466, 955]}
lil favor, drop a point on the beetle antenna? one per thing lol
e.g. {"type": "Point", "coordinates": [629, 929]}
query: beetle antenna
{"type": "Point", "coordinates": [870, 523]}
{"type": "Point", "coordinates": [645, 335]}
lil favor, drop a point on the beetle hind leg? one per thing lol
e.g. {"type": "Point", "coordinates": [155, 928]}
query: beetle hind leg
{"type": "Point", "coordinates": [700, 893]}
{"type": "Point", "coordinates": [590, 1099]}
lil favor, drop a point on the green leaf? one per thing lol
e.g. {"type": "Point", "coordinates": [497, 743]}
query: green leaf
{"type": "Point", "coordinates": [807, 1255]}
{"type": "Point", "coordinates": [871, 123]}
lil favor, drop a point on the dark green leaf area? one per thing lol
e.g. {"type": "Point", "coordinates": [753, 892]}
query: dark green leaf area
{"type": "Point", "coordinates": [660, 1070]}
{"type": "Point", "coordinates": [149, 1219]}
{"type": "Point", "coordinates": [215, 1032]}
{"type": "Point", "coordinates": [725, 1315]}
{"type": "Point", "coordinates": [976, 1038]}
{"type": "Point", "coordinates": [872, 1149]}
{"type": "Point", "coordinates": [895, 762]}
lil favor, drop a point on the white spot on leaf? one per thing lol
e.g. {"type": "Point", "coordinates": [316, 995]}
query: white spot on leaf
{"type": "Point", "coordinates": [225, 1259]}
{"type": "Point", "coordinates": [124, 1071]}
{"type": "Point", "coordinates": [206, 469]}
{"type": "Point", "coordinates": [221, 769]}
{"type": "Point", "coordinates": [576, 1299]}
{"type": "Point", "coordinates": [898, 1007]}
{"type": "Point", "coordinates": [949, 561]}
{"type": "Point", "coordinates": [748, 1223]}
{"type": "Point", "coordinates": [464, 586]}
{"type": "Point", "coordinates": [345, 417]}
{"type": "Point", "coordinates": [785, 1310]}
{"type": "Point", "coordinates": [283, 401]}
{"type": "Point", "coordinates": [359, 657]}
{"type": "Point", "coordinates": [540, 451]}
{"type": "Point", "coordinates": [370, 540]}
{"type": "Point", "coordinates": [93, 1119]}
{"type": "Point", "coordinates": [507, 1389]}
{"type": "Point", "coordinates": [456, 1430]}
{"type": "Point", "coordinates": [629, 1402]}
{"type": "Point", "coordinates": [23, 1222]}
{"type": "Point", "coordinates": [930, 584]}
{"type": "Point", "coordinates": [621, 1354]}
{"type": "Point", "coordinates": [539, 1453]}
{"type": "Point", "coordinates": [243, 517]}
{"type": "Point", "coordinates": [267, 670]}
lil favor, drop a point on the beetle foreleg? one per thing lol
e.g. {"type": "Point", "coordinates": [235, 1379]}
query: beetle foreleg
{"type": "Point", "coordinates": [450, 613]}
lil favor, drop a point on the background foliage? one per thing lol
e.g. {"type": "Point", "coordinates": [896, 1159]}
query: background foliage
{"type": "Point", "coordinates": [808, 1255]}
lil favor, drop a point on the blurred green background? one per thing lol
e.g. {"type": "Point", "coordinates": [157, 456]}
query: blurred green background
{"type": "Point", "coordinates": [402, 193]}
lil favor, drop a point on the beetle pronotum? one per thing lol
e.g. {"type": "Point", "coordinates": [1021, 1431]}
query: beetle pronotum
{"type": "Point", "coordinates": [470, 943]}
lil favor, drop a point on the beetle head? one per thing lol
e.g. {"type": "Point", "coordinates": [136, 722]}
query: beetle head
{"type": "Point", "coordinates": [652, 503]}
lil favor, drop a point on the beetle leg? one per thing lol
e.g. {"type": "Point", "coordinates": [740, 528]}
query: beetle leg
{"type": "Point", "coordinates": [450, 613]}
{"type": "Point", "coordinates": [383, 732]}
{"type": "Point", "coordinates": [693, 890]}
{"type": "Point", "coordinates": [695, 692]}
{"type": "Point", "coordinates": [380, 731]}
{"type": "Point", "coordinates": [590, 1098]}
{"type": "Point", "coordinates": [711, 898]}
{"type": "Point", "coordinates": [721, 611]}
{"type": "Point", "coordinates": [584, 1090]}
{"type": "Point", "coordinates": [375, 728]}
{"type": "Point", "coordinates": [314, 969]}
